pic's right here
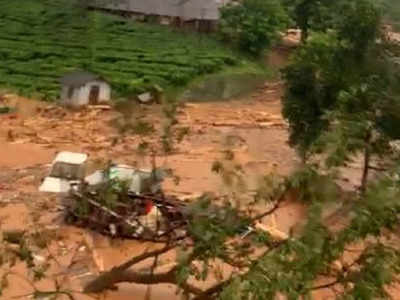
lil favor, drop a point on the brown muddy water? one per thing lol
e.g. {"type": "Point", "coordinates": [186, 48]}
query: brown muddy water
{"type": "Point", "coordinates": [251, 128]}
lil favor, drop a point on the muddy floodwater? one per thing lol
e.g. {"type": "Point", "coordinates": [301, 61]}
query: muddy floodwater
{"type": "Point", "coordinates": [252, 128]}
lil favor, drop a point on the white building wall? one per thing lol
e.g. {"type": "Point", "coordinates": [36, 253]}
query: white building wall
{"type": "Point", "coordinates": [105, 92]}
{"type": "Point", "coordinates": [64, 93]}
{"type": "Point", "coordinates": [75, 100]}
{"type": "Point", "coordinates": [80, 95]}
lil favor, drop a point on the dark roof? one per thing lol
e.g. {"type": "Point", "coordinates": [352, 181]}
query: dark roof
{"type": "Point", "coordinates": [79, 78]}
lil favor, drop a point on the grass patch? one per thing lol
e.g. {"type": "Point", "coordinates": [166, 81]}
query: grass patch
{"type": "Point", "coordinates": [231, 82]}
{"type": "Point", "coordinates": [42, 40]}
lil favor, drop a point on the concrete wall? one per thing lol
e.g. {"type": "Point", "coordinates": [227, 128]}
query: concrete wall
{"type": "Point", "coordinates": [74, 100]}
{"type": "Point", "coordinates": [80, 95]}
{"type": "Point", "coordinates": [64, 93]}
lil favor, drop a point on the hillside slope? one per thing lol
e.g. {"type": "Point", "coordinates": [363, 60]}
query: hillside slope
{"type": "Point", "coordinates": [41, 40]}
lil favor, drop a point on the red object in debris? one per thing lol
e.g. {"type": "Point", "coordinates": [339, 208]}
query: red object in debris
{"type": "Point", "coordinates": [149, 206]}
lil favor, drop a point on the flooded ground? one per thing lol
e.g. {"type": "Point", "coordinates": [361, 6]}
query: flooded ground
{"type": "Point", "coordinates": [252, 128]}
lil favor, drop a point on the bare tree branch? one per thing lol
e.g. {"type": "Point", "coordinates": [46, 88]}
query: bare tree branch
{"type": "Point", "coordinates": [118, 273]}
{"type": "Point", "coordinates": [272, 210]}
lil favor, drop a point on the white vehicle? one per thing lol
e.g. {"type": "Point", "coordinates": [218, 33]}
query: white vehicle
{"type": "Point", "coordinates": [67, 170]}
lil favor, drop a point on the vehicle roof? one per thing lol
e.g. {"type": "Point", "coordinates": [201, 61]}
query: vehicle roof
{"type": "Point", "coordinates": [71, 158]}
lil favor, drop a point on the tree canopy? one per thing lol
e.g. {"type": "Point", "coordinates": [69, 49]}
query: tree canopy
{"type": "Point", "coordinates": [253, 25]}
{"type": "Point", "coordinates": [355, 55]}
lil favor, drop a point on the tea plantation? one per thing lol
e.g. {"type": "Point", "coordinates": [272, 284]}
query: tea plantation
{"type": "Point", "coordinates": [42, 40]}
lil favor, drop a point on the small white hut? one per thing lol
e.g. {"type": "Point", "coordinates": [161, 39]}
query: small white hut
{"type": "Point", "coordinates": [82, 88]}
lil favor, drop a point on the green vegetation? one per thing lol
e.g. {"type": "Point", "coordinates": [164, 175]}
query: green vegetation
{"type": "Point", "coordinates": [41, 40]}
{"type": "Point", "coordinates": [5, 110]}
{"type": "Point", "coordinates": [228, 83]}
{"type": "Point", "coordinates": [330, 67]}
{"type": "Point", "coordinates": [253, 25]}
{"type": "Point", "coordinates": [310, 15]}
{"type": "Point", "coordinates": [391, 10]}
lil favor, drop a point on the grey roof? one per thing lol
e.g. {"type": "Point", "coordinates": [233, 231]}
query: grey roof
{"type": "Point", "coordinates": [185, 9]}
{"type": "Point", "coordinates": [79, 78]}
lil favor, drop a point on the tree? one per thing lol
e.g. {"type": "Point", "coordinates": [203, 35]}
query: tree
{"type": "Point", "coordinates": [358, 125]}
{"type": "Point", "coordinates": [312, 15]}
{"type": "Point", "coordinates": [348, 60]}
{"type": "Point", "coordinates": [253, 25]}
{"type": "Point", "coordinates": [311, 89]}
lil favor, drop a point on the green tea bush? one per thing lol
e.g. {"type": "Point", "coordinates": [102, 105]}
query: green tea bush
{"type": "Point", "coordinates": [40, 41]}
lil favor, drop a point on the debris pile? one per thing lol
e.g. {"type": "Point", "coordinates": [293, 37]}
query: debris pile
{"type": "Point", "coordinates": [122, 214]}
{"type": "Point", "coordinates": [119, 201]}
{"type": "Point", "coordinates": [53, 126]}
{"type": "Point", "coordinates": [241, 119]}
